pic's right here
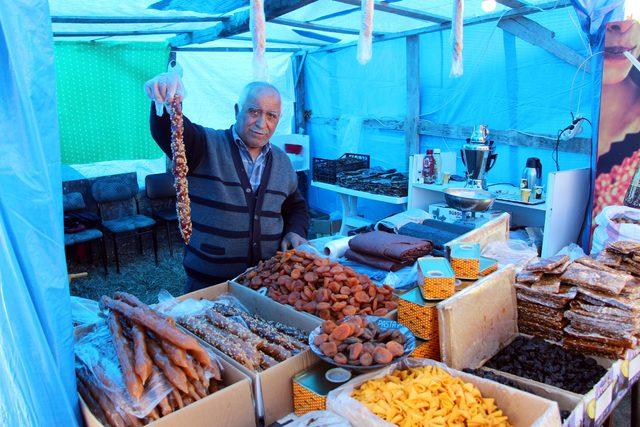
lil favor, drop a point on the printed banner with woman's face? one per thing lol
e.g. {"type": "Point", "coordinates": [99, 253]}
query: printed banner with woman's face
{"type": "Point", "coordinates": [617, 178]}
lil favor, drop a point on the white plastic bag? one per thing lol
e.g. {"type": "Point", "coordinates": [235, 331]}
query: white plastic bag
{"type": "Point", "coordinates": [319, 419]}
{"type": "Point", "coordinates": [573, 251]}
{"type": "Point", "coordinates": [608, 231]}
{"type": "Point", "coordinates": [515, 252]}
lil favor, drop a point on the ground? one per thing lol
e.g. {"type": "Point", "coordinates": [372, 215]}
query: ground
{"type": "Point", "coordinates": [140, 276]}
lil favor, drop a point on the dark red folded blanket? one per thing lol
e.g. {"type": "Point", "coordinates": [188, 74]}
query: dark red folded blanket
{"type": "Point", "coordinates": [379, 263]}
{"type": "Point", "coordinates": [392, 247]}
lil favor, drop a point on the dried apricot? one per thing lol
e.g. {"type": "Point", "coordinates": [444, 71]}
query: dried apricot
{"type": "Point", "coordinates": [349, 310]}
{"type": "Point", "coordinates": [382, 355]}
{"type": "Point", "coordinates": [327, 326]}
{"type": "Point", "coordinates": [395, 348]}
{"type": "Point", "coordinates": [381, 312]}
{"type": "Point", "coordinates": [323, 306]}
{"type": "Point", "coordinates": [340, 359]}
{"type": "Point", "coordinates": [310, 277]}
{"type": "Point", "coordinates": [319, 339]}
{"type": "Point", "coordinates": [329, 348]}
{"type": "Point", "coordinates": [355, 350]}
{"type": "Point", "coordinates": [366, 359]}
{"type": "Point", "coordinates": [361, 297]}
{"type": "Point", "coordinates": [341, 332]}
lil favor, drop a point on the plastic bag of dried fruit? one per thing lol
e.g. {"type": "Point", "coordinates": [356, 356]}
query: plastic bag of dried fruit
{"type": "Point", "coordinates": [615, 223]}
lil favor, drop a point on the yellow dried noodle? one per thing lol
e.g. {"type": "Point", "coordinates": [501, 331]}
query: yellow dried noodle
{"type": "Point", "coordinates": [428, 396]}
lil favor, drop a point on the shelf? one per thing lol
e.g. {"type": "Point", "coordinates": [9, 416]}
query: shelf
{"type": "Point", "coordinates": [361, 194]}
{"type": "Point", "coordinates": [440, 189]}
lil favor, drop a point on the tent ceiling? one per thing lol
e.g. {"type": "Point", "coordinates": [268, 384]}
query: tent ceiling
{"type": "Point", "coordinates": [321, 23]}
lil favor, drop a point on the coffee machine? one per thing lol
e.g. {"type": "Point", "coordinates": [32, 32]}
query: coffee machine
{"type": "Point", "coordinates": [478, 156]}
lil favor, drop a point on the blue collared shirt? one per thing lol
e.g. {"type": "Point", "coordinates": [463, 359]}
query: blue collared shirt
{"type": "Point", "coordinates": [255, 167]}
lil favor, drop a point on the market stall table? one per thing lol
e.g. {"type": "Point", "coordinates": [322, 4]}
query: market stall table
{"type": "Point", "coordinates": [349, 200]}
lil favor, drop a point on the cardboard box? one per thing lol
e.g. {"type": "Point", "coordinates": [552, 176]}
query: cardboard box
{"type": "Point", "coordinates": [420, 316]}
{"type": "Point", "coordinates": [523, 409]}
{"type": "Point", "coordinates": [232, 406]}
{"type": "Point", "coordinates": [479, 322]}
{"type": "Point", "coordinates": [272, 387]}
{"type": "Point", "coordinates": [436, 278]}
{"type": "Point", "coordinates": [310, 389]}
{"type": "Point", "coordinates": [465, 260]}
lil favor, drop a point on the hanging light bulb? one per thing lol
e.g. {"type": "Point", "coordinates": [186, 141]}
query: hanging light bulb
{"type": "Point", "coordinates": [632, 9]}
{"type": "Point", "coordinates": [488, 5]}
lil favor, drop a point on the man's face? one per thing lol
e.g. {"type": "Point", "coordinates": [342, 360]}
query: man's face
{"type": "Point", "coordinates": [258, 118]}
{"type": "Point", "coordinates": [621, 36]}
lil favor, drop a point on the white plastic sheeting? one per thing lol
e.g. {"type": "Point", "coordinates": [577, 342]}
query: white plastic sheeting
{"type": "Point", "coordinates": [37, 380]}
{"type": "Point", "coordinates": [214, 80]}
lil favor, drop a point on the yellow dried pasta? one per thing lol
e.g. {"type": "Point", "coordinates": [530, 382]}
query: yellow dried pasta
{"type": "Point", "coordinates": [428, 396]}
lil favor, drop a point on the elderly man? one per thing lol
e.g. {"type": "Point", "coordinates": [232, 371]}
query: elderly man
{"type": "Point", "coordinates": [245, 203]}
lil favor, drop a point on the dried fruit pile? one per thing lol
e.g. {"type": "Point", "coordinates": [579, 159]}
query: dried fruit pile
{"type": "Point", "coordinates": [428, 396]}
{"type": "Point", "coordinates": [318, 286]}
{"type": "Point", "coordinates": [356, 341]}
{"type": "Point", "coordinates": [250, 340]}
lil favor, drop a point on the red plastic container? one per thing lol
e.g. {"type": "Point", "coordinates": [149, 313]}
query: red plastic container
{"type": "Point", "coordinates": [293, 148]}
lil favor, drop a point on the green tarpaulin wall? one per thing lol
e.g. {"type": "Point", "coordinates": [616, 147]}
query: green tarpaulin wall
{"type": "Point", "coordinates": [103, 111]}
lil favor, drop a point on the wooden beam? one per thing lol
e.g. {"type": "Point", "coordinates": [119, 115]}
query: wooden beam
{"type": "Point", "coordinates": [299, 105]}
{"type": "Point", "coordinates": [534, 33]}
{"type": "Point", "coordinates": [527, 10]}
{"type": "Point", "coordinates": [59, 19]}
{"type": "Point", "coordinates": [237, 23]}
{"type": "Point", "coordinates": [319, 27]}
{"type": "Point", "coordinates": [402, 11]}
{"type": "Point", "coordinates": [513, 4]}
{"type": "Point", "coordinates": [279, 41]}
{"type": "Point", "coordinates": [232, 49]}
{"type": "Point", "coordinates": [508, 137]}
{"type": "Point", "coordinates": [411, 137]}
{"type": "Point", "coordinates": [114, 33]}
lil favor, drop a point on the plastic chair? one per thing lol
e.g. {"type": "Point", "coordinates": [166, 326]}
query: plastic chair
{"type": "Point", "coordinates": [74, 202]}
{"type": "Point", "coordinates": [120, 213]}
{"type": "Point", "coordinates": [162, 196]}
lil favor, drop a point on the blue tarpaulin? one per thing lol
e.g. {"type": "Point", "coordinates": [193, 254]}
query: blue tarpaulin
{"type": "Point", "coordinates": [37, 381]}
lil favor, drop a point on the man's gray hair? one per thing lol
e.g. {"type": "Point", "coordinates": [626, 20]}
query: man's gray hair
{"type": "Point", "coordinates": [254, 86]}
